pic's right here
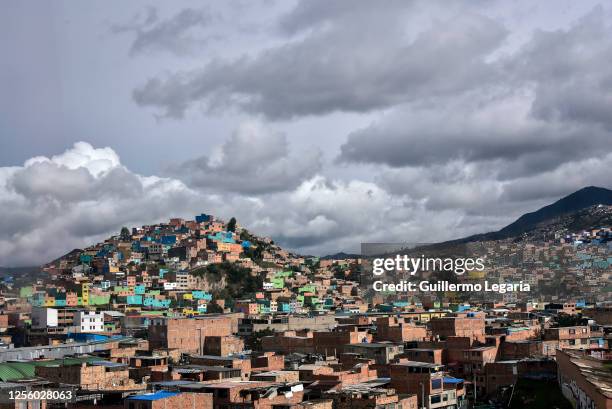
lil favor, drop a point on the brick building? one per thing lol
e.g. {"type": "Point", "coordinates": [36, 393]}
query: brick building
{"type": "Point", "coordinates": [187, 334]}
{"type": "Point", "coordinates": [361, 396]}
{"type": "Point", "coordinates": [427, 382]}
{"type": "Point", "coordinates": [170, 400]}
{"type": "Point", "coordinates": [269, 361]}
{"type": "Point", "coordinates": [397, 330]}
{"type": "Point", "coordinates": [380, 353]}
{"type": "Point", "coordinates": [359, 374]}
{"type": "Point", "coordinates": [223, 345]}
{"type": "Point", "coordinates": [96, 376]}
{"type": "Point", "coordinates": [288, 342]}
{"type": "Point", "coordinates": [505, 373]}
{"type": "Point", "coordinates": [471, 327]}
{"type": "Point", "coordinates": [526, 349]}
{"type": "Point", "coordinates": [569, 337]}
{"type": "Point", "coordinates": [585, 381]}
{"type": "Point", "coordinates": [429, 355]}
{"type": "Point", "coordinates": [261, 395]}
{"type": "Point", "coordinates": [332, 343]}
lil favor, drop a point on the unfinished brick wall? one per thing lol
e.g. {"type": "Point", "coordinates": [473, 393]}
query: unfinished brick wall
{"type": "Point", "coordinates": [183, 400]}
{"type": "Point", "coordinates": [518, 350]}
{"type": "Point", "coordinates": [269, 361]}
{"type": "Point", "coordinates": [185, 334]}
{"type": "Point", "coordinates": [287, 344]}
{"type": "Point", "coordinates": [90, 377]}
{"type": "Point", "coordinates": [331, 343]}
{"type": "Point", "coordinates": [473, 328]}
{"type": "Point", "coordinates": [394, 330]}
{"type": "Point", "coordinates": [223, 345]}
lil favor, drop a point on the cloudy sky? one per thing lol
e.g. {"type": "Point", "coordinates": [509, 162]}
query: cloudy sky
{"type": "Point", "coordinates": [322, 124]}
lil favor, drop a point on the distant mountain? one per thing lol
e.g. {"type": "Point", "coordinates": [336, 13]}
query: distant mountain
{"type": "Point", "coordinates": [585, 219]}
{"type": "Point", "coordinates": [8, 271]}
{"type": "Point", "coordinates": [574, 212]}
{"type": "Point", "coordinates": [579, 200]}
{"type": "Point", "coordinates": [340, 256]}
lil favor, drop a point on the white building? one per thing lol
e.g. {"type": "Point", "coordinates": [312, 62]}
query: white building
{"type": "Point", "coordinates": [89, 321]}
{"type": "Point", "coordinates": [185, 281]}
{"type": "Point", "coordinates": [44, 317]}
{"type": "Point", "coordinates": [170, 286]}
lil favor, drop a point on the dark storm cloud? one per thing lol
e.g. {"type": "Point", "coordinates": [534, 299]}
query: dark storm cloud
{"type": "Point", "coordinates": [570, 71]}
{"type": "Point", "coordinates": [565, 179]}
{"type": "Point", "coordinates": [308, 15]}
{"type": "Point", "coordinates": [548, 111]}
{"type": "Point", "coordinates": [476, 129]}
{"type": "Point", "coordinates": [179, 34]}
{"type": "Point", "coordinates": [325, 71]}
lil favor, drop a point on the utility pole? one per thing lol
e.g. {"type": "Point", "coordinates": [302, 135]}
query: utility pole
{"type": "Point", "coordinates": [423, 395]}
{"type": "Point", "coordinates": [200, 341]}
{"type": "Point", "coordinates": [475, 380]}
{"type": "Point", "coordinates": [512, 393]}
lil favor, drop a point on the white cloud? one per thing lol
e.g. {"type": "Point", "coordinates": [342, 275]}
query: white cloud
{"type": "Point", "coordinates": [83, 155]}
{"type": "Point", "coordinates": [50, 205]}
{"type": "Point", "coordinates": [254, 160]}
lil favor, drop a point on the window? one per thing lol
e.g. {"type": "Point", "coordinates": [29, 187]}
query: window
{"type": "Point", "coordinates": [436, 383]}
{"type": "Point", "coordinates": [435, 399]}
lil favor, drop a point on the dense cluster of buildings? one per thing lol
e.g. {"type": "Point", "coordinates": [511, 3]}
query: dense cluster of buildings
{"type": "Point", "coordinates": [202, 314]}
{"type": "Point", "coordinates": [577, 266]}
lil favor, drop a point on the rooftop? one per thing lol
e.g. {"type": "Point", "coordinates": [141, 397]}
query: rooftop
{"type": "Point", "coordinates": [154, 396]}
{"type": "Point", "coordinates": [595, 372]}
{"type": "Point", "coordinates": [12, 371]}
{"type": "Point", "coordinates": [420, 365]}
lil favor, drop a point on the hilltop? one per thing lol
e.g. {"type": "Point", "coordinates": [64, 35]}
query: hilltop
{"type": "Point", "coordinates": [578, 210]}
{"type": "Point", "coordinates": [220, 257]}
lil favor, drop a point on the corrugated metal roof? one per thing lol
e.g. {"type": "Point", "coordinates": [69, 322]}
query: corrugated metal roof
{"type": "Point", "coordinates": [12, 371]}
{"type": "Point", "coordinates": [154, 396]}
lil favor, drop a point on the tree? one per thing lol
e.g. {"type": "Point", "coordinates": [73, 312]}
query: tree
{"type": "Point", "coordinates": [125, 233]}
{"type": "Point", "coordinates": [253, 341]}
{"type": "Point", "coordinates": [231, 226]}
{"type": "Point", "coordinates": [213, 308]}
